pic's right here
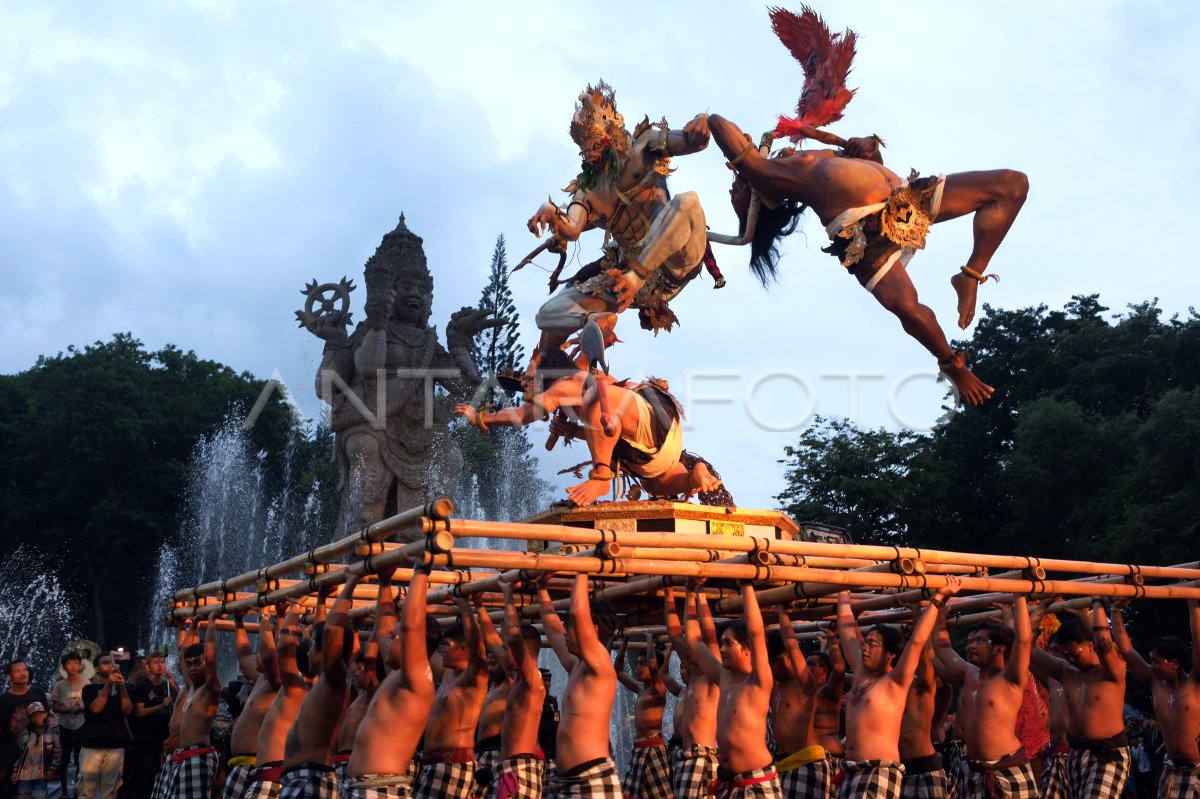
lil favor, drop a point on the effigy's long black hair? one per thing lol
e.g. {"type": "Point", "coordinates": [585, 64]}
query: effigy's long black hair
{"type": "Point", "coordinates": [773, 224]}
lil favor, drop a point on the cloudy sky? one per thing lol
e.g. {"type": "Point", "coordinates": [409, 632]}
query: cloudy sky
{"type": "Point", "coordinates": [181, 170]}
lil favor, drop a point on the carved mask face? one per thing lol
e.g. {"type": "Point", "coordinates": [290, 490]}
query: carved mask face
{"type": "Point", "coordinates": [412, 303]}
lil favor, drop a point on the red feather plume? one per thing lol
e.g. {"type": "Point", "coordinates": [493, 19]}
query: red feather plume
{"type": "Point", "coordinates": [826, 58]}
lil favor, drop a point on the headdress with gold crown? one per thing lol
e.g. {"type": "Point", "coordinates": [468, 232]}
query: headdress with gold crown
{"type": "Point", "coordinates": [596, 117]}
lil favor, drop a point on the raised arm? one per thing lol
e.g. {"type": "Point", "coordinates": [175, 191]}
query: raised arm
{"type": "Point", "coordinates": [1193, 607]}
{"type": "Point", "coordinates": [832, 689]}
{"type": "Point", "coordinates": [954, 667]}
{"type": "Point", "coordinates": [914, 651]}
{"type": "Point", "coordinates": [385, 618]}
{"type": "Point", "coordinates": [592, 651]}
{"type": "Point", "coordinates": [476, 670]}
{"type": "Point", "coordinates": [211, 678]}
{"type": "Point", "coordinates": [267, 654]}
{"type": "Point", "coordinates": [760, 661]}
{"type": "Point", "coordinates": [624, 677]}
{"type": "Point", "coordinates": [692, 138]}
{"type": "Point", "coordinates": [674, 625]}
{"type": "Point", "coordinates": [1110, 659]}
{"type": "Point", "coordinates": [552, 625]}
{"type": "Point", "coordinates": [699, 629]}
{"type": "Point", "coordinates": [333, 650]}
{"type": "Point", "coordinates": [289, 639]}
{"type": "Point", "coordinates": [492, 640]}
{"type": "Point", "coordinates": [849, 636]}
{"type": "Point", "coordinates": [797, 663]}
{"type": "Point", "coordinates": [247, 663]}
{"type": "Point", "coordinates": [1016, 665]}
{"type": "Point", "coordinates": [414, 655]}
{"type": "Point", "coordinates": [525, 665]}
{"type": "Point", "coordinates": [1137, 664]}
{"type": "Point", "coordinates": [565, 223]}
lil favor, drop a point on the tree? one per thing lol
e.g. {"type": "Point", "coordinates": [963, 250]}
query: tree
{"type": "Point", "coordinates": [499, 479]}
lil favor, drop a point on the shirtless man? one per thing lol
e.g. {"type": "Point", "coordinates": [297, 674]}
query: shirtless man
{"type": "Point", "coordinates": [521, 770]}
{"type": "Point", "coordinates": [1092, 674]}
{"type": "Point", "coordinates": [924, 776]}
{"type": "Point", "coordinates": [829, 669]}
{"type": "Point", "coordinates": [746, 767]}
{"type": "Point", "coordinates": [622, 190]}
{"type": "Point", "coordinates": [645, 422]}
{"type": "Point", "coordinates": [1176, 693]}
{"type": "Point", "coordinates": [851, 197]}
{"type": "Point", "coordinates": [366, 676]}
{"type": "Point", "coordinates": [195, 761]}
{"type": "Point", "coordinates": [448, 762]}
{"type": "Point", "coordinates": [649, 772]}
{"type": "Point", "coordinates": [391, 730]}
{"type": "Point", "coordinates": [800, 758]}
{"type": "Point", "coordinates": [1052, 783]}
{"type": "Point", "coordinates": [585, 767]}
{"type": "Point", "coordinates": [243, 741]}
{"type": "Point", "coordinates": [273, 732]}
{"type": "Point", "coordinates": [883, 667]}
{"type": "Point", "coordinates": [991, 682]}
{"type": "Point", "coordinates": [307, 771]}
{"type": "Point", "coordinates": [694, 760]}
{"type": "Point", "coordinates": [500, 668]}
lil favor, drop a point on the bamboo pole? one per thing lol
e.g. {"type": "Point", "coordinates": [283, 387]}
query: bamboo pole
{"type": "Point", "coordinates": [584, 535]}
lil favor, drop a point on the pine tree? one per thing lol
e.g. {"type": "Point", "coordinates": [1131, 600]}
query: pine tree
{"type": "Point", "coordinates": [499, 479]}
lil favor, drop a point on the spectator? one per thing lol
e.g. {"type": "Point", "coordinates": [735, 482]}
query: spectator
{"type": "Point", "coordinates": [66, 700]}
{"type": "Point", "coordinates": [39, 754]}
{"type": "Point", "coordinates": [153, 696]}
{"type": "Point", "coordinates": [104, 734]}
{"type": "Point", "coordinates": [13, 719]}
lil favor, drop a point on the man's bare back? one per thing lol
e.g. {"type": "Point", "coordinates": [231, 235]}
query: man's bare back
{"type": "Point", "coordinates": [527, 695]}
{"type": "Point", "coordinates": [459, 699]}
{"type": "Point", "coordinates": [200, 706]}
{"type": "Point", "coordinates": [794, 697]}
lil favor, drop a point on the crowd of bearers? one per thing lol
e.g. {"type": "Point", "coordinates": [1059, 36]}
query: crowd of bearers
{"type": "Point", "coordinates": [331, 715]}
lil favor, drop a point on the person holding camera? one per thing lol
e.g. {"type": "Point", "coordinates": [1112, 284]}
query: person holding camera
{"type": "Point", "coordinates": [104, 734]}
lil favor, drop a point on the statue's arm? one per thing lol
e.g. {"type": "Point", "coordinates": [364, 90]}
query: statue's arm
{"type": "Point", "coordinates": [692, 139]}
{"type": "Point", "coordinates": [565, 223]}
{"type": "Point", "coordinates": [337, 359]}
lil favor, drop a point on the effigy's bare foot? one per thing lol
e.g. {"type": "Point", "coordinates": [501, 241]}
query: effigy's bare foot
{"type": "Point", "coordinates": [966, 287]}
{"type": "Point", "coordinates": [589, 491]}
{"type": "Point", "coordinates": [973, 390]}
{"type": "Point", "coordinates": [702, 480]}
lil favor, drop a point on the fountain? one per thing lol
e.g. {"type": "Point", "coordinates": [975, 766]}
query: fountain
{"type": "Point", "coordinates": [36, 617]}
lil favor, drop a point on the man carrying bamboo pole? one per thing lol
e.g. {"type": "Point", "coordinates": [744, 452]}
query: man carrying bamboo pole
{"type": "Point", "coordinates": [243, 742]}
{"type": "Point", "coordinates": [649, 772]}
{"type": "Point", "coordinates": [585, 767]}
{"type": "Point", "coordinates": [924, 777]}
{"type": "Point", "coordinates": [293, 687]}
{"type": "Point", "coordinates": [800, 759]}
{"type": "Point", "coordinates": [694, 761]}
{"type": "Point", "coordinates": [991, 682]}
{"type": "Point", "coordinates": [1092, 674]}
{"type": "Point", "coordinates": [307, 772]}
{"type": "Point", "coordinates": [883, 669]}
{"type": "Point", "coordinates": [366, 675]}
{"type": "Point", "coordinates": [448, 760]}
{"type": "Point", "coordinates": [744, 672]}
{"type": "Point", "coordinates": [500, 672]}
{"type": "Point", "coordinates": [829, 668]}
{"type": "Point", "coordinates": [1176, 700]}
{"type": "Point", "coordinates": [391, 729]}
{"type": "Point", "coordinates": [194, 763]}
{"type": "Point", "coordinates": [521, 770]}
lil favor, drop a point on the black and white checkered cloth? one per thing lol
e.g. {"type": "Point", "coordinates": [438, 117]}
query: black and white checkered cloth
{"type": "Point", "coordinates": [598, 781]}
{"type": "Point", "coordinates": [759, 783]}
{"type": "Point", "coordinates": [954, 761]}
{"type": "Point", "coordinates": [649, 774]}
{"type": "Point", "coordinates": [445, 781]}
{"type": "Point", "coordinates": [1014, 782]}
{"type": "Point", "coordinates": [310, 781]}
{"type": "Point", "coordinates": [1094, 776]}
{"type": "Point", "coordinates": [1179, 781]}
{"type": "Point", "coordinates": [1053, 783]}
{"type": "Point", "coordinates": [194, 776]}
{"type": "Point", "coordinates": [870, 779]}
{"type": "Point", "coordinates": [487, 767]}
{"type": "Point", "coordinates": [518, 777]}
{"type": "Point", "coordinates": [377, 786]}
{"type": "Point", "coordinates": [164, 781]}
{"type": "Point", "coordinates": [260, 788]}
{"type": "Point", "coordinates": [237, 780]}
{"type": "Point", "coordinates": [924, 779]}
{"type": "Point", "coordinates": [693, 771]}
{"type": "Point", "coordinates": [810, 781]}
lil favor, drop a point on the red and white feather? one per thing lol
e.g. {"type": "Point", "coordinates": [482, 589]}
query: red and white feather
{"type": "Point", "coordinates": [826, 58]}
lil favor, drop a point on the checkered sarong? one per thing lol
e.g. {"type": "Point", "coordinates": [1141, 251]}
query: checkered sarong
{"type": "Point", "coordinates": [924, 778]}
{"type": "Point", "coordinates": [193, 778]}
{"type": "Point", "coordinates": [870, 779]}
{"type": "Point", "coordinates": [599, 780]}
{"type": "Point", "coordinates": [1093, 776]}
{"type": "Point", "coordinates": [377, 786]}
{"type": "Point", "coordinates": [649, 773]}
{"type": "Point", "coordinates": [487, 768]}
{"type": "Point", "coordinates": [310, 781]}
{"type": "Point", "coordinates": [693, 771]}
{"type": "Point", "coordinates": [237, 780]}
{"type": "Point", "coordinates": [164, 780]}
{"type": "Point", "coordinates": [440, 780]}
{"type": "Point", "coordinates": [260, 788]}
{"type": "Point", "coordinates": [758, 783]}
{"type": "Point", "coordinates": [810, 781]}
{"type": "Point", "coordinates": [1014, 782]}
{"type": "Point", "coordinates": [518, 777]}
{"type": "Point", "coordinates": [1053, 783]}
{"type": "Point", "coordinates": [1179, 781]}
{"type": "Point", "coordinates": [954, 762]}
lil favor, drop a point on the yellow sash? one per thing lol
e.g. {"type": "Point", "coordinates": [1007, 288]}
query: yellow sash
{"type": "Point", "coordinates": [801, 757]}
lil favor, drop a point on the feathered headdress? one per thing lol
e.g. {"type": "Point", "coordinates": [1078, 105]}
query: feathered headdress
{"type": "Point", "coordinates": [596, 116]}
{"type": "Point", "coordinates": [826, 59]}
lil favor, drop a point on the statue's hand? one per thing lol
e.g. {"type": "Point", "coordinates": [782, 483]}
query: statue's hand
{"type": "Point", "coordinates": [546, 218]}
{"type": "Point", "coordinates": [329, 326]}
{"type": "Point", "coordinates": [467, 322]}
{"type": "Point", "coordinates": [625, 285]}
{"type": "Point", "coordinates": [695, 133]}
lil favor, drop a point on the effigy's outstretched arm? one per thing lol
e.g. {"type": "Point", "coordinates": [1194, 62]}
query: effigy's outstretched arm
{"type": "Point", "coordinates": [567, 223]}
{"type": "Point", "coordinates": [693, 138]}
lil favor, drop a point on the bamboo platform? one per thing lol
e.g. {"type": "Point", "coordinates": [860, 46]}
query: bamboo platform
{"type": "Point", "coordinates": [631, 550]}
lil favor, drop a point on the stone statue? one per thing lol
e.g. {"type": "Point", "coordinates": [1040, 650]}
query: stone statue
{"type": "Point", "coordinates": [394, 451]}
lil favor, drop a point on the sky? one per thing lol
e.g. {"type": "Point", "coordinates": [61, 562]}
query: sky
{"type": "Point", "coordinates": [181, 170]}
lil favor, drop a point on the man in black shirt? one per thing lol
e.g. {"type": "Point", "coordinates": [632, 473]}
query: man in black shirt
{"type": "Point", "coordinates": [104, 734]}
{"type": "Point", "coordinates": [13, 718]}
{"type": "Point", "coordinates": [153, 698]}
